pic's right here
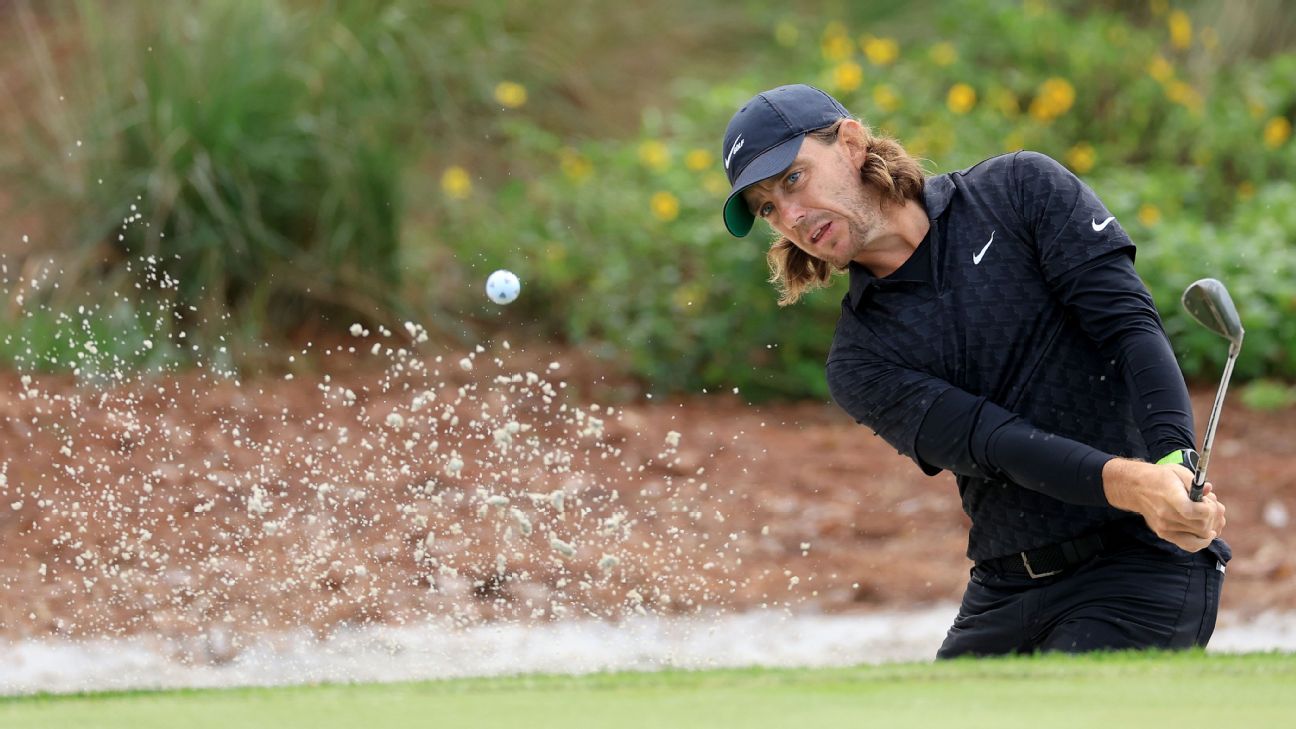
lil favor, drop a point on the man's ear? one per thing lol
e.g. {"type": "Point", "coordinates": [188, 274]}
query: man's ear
{"type": "Point", "coordinates": [851, 135]}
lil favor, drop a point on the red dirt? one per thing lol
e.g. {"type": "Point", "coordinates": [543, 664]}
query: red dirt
{"type": "Point", "coordinates": [143, 508]}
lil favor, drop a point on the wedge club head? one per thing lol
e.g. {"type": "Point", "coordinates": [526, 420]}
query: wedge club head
{"type": "Point", "coordinates": [1208, 301]}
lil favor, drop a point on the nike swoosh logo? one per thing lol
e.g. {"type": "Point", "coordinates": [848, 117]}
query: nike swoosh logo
{"type": "Point", "coordinates": [1098, 227]}
{"type": "Point", "coordinates": [976, 257]}
{"type": "Point", "coordinates": [738, 143]}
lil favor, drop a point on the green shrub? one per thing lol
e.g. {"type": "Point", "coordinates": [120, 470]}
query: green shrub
{"type": "Point", "coordinates": [1268, 395]}
{"type": "Point", "coordinates": [97, 343]}
{"type": "Point", "coordinates": [1253, 255]}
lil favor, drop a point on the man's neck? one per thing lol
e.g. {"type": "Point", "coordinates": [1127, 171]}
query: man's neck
{"type": "Point", "coordinates": [908, 225]}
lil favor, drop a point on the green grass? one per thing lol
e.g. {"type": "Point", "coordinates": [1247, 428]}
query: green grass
{"type": "Point", "coordinates": [1186, 689]}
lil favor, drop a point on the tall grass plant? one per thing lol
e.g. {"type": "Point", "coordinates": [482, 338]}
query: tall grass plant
{"type": "Point", "coordinates": [254, 151]}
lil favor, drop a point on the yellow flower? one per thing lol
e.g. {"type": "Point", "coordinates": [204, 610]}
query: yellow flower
{"type": "Point", "coordinates": [1276, 131]}
{"type": "Point", "coordinates": [836, 44]}
{"type": "Point", "coordinates": [1245, 190]}
{"type": "Point", "coordinates": [697, 160]}
{"type": "Point", "coordinates": [886, 98]}
{"type": "Point", "coordinates": [1149, 214]}
{"type": "Point", "coordinates": [665, 206]}
{"type": "Point", "coordinates": [880, 51]}
{"type": "Point", "coordinates": [1180, 29]}
{"type": "Point", "coordinates": [786, 34]}
{"type": "Point", "coordinates": [1081, 157]}
{"type": "Point", "coordinates": [510, 94]}
{"type": "Point", "coordinates": [961, 98]}
{"type": "Point", "coordinates": [1053, 98]}
{"type": "Point", "coordinates": [943, 54]}
{"type": "Point", "coordinates": [1160, 69]}
{"type": "Point", "coordinates": [1062, 92]}
{"type": "Point", "coordinates": [574, 165]}
{"type": "Point", "coordinates": [455, 183]}
{"type": "Point", "coordinates": [847, 76]}
{"type": "Point", "coordinates": [654, 155]}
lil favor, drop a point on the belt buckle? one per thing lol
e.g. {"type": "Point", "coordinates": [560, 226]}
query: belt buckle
{"type": "Point", "coordinates": [1033, 574]}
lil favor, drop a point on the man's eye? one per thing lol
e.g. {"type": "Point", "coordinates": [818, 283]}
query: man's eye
{"type": "Point", "coordinates": [765, 210]}
{"type": "Point", "coordinates": [792, 178]}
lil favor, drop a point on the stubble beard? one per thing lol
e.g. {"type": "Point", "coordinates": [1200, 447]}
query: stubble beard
{"type": "Point", "coordinates": [860, 229]}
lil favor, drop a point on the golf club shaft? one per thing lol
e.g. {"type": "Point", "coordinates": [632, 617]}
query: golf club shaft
{"type": "Point", "coordinates": [1199, 478]}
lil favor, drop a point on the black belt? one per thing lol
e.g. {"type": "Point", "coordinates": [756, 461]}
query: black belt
{"type": "Point", "coordinates": [1054, 558]}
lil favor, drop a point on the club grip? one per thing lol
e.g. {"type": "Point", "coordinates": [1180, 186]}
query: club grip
{"type": "Point", "coordinates": [1199, 477]}
{"type": "Point", "coordinates": [1197, 464]}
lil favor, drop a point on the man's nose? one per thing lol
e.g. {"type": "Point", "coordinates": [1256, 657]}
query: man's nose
{"type": "Point", "coordinates": [794, 214]}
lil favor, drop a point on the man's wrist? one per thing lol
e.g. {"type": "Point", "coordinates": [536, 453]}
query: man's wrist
{"type": "Point", "coordinates": [1120, 489]}
{"type": "Point", "coordinates": [1112, 482]}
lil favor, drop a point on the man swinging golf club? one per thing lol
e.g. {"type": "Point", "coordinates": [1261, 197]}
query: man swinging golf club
{"type": "Point", "coordinates": [995, 327]}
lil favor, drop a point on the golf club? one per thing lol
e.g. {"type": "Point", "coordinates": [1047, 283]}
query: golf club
{"type": "Point", "coordinates": [1208, 301]}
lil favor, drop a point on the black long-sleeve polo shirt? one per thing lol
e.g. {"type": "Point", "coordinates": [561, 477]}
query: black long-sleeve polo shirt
{"type": "Point", "coordinates": [1017, 348]}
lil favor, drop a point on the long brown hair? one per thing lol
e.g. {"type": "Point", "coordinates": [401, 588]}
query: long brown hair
{"type": "Point", "coordinates": [889, 168]}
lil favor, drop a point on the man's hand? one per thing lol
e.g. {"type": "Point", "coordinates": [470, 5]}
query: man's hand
{"type": "Point", "coordinates": [1160, 495]}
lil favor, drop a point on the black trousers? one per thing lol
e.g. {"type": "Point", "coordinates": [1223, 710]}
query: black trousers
{"type": "Point", "coordinates": [1136, 597]}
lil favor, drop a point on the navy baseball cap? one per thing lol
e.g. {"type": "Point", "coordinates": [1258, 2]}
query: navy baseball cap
{"type": "Point", "coordinates": [764, 137]}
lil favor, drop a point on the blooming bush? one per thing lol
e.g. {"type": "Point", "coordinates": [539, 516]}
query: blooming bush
{"type": "Point", "coordinates": [1186, 146]}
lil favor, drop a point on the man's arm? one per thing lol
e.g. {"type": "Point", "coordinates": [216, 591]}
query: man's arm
{"type": "Point", "coordinates": [944, 427]}
{"type": "Point", "coordinates": [1087, 259]}
{"type": "Point", "coordinates": [972, 436]}
{"type": "Point", "coordinates": [1113, 307]}
{"type": "Point", "coordinates": [1110, 303]}
{"type": "Point", "coordinates": [952, 429]}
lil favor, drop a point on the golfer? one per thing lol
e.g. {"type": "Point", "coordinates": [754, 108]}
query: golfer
{"type": "Point", "coordinates": [995, 327]}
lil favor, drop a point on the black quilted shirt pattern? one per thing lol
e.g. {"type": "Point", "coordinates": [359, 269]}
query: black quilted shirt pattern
{"type": "Point", "coordinates": [1003, 232]}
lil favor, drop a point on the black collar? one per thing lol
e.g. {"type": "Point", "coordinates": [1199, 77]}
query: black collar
{"type": "Point", "coordinates": [937, 192]}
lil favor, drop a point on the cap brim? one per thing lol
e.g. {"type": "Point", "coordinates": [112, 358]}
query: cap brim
{"type": "Point", "coordinates": [738, 219]}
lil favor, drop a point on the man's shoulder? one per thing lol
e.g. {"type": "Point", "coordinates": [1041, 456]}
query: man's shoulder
{"type": "Point", "coordinates": [1001, 179]}
{"type": "Point", "coordinates": [1009, 165]}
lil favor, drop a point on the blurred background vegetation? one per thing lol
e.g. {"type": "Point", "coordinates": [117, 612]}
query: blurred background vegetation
{"type": "Point", "coordinates": [225, 179]}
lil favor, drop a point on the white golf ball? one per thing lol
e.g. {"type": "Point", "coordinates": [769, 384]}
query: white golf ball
{"type": "Point", "coordinates": [503, 287]}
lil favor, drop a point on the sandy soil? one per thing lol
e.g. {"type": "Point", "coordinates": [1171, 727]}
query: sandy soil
{"type": "Point", "coordinates": [388, 488]}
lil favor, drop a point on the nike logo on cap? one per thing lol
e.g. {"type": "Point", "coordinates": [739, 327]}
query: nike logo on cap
{"type": "Point", "coordinates": [737, 145]}
{"type": "Point", "coordinates": [976, 257]}
{"type": "Point", "coordinates": [1098, 227]}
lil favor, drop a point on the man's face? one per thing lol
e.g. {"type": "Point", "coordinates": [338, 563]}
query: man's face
{"type": "Point", "coordinates": [820, 203]}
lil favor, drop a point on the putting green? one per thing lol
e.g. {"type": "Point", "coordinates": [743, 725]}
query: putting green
{"type": "Point", "coordinates": [1185, 689]}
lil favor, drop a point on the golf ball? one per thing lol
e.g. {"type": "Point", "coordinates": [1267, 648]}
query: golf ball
{"type": "Point", "coordinates": [503, 286]}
